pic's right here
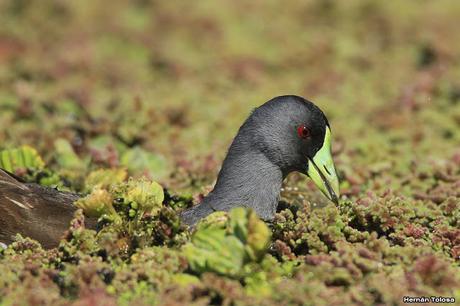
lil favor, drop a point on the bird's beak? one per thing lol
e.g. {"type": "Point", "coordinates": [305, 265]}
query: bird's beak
{"type": "Point", "coordinates": [322, 171]}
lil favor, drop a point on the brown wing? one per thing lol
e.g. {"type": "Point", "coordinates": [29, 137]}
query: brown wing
{"type": "Point", "coordinates": [34, 211]}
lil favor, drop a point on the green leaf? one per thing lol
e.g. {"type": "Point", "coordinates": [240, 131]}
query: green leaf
{"type": "Point", "coordinates": [105, 178]}
{"type": "Point", "coordinates": [147, 194]}
{"type": "Point", "coordinates": [24, 157]}
{"type": "Point", "coordinates": [97, 203]}
{"type": "Point", "coordinates": [137, 160]}
{"type": "Point", "coordinates": [212, 250]}
{"type": "Point", "coordinates": [66, 157]}
{"type": "Point", "coordinates": [225, 245]}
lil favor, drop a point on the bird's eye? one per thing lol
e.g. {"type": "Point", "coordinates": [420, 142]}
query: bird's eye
{"type": "Point", "coordinates": [303, 131]}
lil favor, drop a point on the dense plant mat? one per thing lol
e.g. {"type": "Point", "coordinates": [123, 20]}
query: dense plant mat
{"type": "Point", "coordinates": [134, 106]}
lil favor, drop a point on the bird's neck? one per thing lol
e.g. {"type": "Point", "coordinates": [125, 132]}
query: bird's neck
{"type": "Point", "coordinates": [247, 178]}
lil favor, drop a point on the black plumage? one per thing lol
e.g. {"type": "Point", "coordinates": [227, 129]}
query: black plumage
{"type": "Point", "coordinates": [265, 150]}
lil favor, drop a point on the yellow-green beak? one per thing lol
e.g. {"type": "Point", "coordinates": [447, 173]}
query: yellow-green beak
{"type": "Point", "coordinates": [322, 171]}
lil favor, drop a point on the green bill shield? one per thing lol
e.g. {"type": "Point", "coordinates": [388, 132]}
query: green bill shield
{"type": "Point", "coordinates": [322, 171]}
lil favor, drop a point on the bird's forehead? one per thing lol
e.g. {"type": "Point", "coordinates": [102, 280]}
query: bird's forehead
{"type": "Point", "coordinates": [310, 116]}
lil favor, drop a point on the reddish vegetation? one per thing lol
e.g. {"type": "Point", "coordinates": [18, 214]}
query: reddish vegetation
{"type": "Point", "coordinates": [160, 88]}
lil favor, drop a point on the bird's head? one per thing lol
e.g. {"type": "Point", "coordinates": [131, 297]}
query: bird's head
{"type": "Point", "coordinates": [295, 135]}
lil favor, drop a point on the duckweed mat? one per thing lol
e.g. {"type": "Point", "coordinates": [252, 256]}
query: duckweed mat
{"type": "Point", "coordinates": [134, 103]}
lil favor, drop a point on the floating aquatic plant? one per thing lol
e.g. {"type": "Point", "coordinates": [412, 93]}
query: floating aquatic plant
{"type": "Point", "coordinates": [225, 244]}
{"type": "Point", "coordinates": [22, 158]}
{"type": "Point", "coordinates": [26, 162]}
{"type": "Point", "coordinates": [105, 178]}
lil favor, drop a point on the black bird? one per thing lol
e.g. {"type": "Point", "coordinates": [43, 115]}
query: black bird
{"type": "Point", "coordinates": [286, 134]}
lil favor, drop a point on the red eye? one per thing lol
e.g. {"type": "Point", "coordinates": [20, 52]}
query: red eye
{"type": "Point", "coordinates": [303, 131]}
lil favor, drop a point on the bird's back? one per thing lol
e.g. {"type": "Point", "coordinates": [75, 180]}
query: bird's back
{"type": "Point", "coordinates": [34, 211]}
